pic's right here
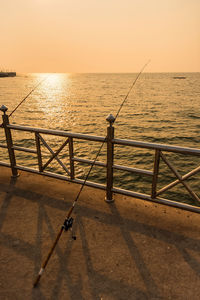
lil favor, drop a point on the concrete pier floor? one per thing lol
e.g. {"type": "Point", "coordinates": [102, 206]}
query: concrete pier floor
{"type": "Point", "coordinates": [130, 249]}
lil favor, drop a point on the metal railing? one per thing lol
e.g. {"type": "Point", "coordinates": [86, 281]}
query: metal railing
{"type": "Point", "coordinates": [111, 141]}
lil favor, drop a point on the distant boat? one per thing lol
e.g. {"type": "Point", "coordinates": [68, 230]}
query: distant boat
{"type": "Point", "coordinates": [179, 77]}
{"type": "Point", "coordinates": [7, 74]}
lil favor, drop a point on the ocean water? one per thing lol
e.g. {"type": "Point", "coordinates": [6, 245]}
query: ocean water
{"type": "Point", "coordinates": [159, 109]}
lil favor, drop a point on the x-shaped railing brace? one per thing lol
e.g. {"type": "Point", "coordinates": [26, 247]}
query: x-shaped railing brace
{"type": "Point", "coordinates": [179, 180]}
{"type": "Point", "coordinates": [54, 154]}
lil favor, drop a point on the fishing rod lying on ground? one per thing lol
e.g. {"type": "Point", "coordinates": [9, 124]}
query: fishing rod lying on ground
{"type": "Point", "coordinates": [68, 223]}
{"type": "Point", "coordinates": [24, 99]}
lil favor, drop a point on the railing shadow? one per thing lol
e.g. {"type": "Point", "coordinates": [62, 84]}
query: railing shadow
{"type": "Point", "coordinates": [8, 189]}
{"type": "Point", "coordinates": [73, 269]}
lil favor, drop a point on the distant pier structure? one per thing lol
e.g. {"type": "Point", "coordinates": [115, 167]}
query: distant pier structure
{"type": "Point", "coordinates": [7, 74]}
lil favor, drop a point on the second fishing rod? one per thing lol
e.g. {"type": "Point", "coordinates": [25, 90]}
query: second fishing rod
{"type": "Point", "coordinates": [68, 222]}
{"type": "Point", "coordinates": [23, 100]}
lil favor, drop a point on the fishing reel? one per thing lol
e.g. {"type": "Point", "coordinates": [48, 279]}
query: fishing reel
{"type": "Point", "coordinates": [68, 225]}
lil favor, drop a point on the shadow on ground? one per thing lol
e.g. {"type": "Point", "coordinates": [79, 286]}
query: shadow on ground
{"type": "Point", "coordinates": [129, 249]}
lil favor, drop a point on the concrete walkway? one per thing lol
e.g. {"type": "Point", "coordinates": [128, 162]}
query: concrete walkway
{"type": "Point", "coordinates": [130, 249]}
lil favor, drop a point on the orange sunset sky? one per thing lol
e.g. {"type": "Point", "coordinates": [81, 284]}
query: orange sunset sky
{"type": "Point", "coordinates": [100, 35]}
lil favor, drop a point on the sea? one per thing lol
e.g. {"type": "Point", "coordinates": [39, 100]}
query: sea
{"type": "Point", "coordinates": [160, 108]}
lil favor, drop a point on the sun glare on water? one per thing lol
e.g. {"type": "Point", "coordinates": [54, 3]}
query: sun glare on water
{"type": "Point", "coordinates": [52, 94]}
{"type": "Point", "coordinates": [52, 82]}
{"type": "Point", "coordinates": [52, 78]}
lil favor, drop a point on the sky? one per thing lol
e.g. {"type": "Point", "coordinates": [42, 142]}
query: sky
{"type": "Point", "coordinates": [100, 35]}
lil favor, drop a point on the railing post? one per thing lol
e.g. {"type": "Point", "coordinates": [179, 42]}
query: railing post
{"type": "Point", "coordinates": [155, 174]}
{"type": "Point", "coordinates": [71, 155]}
{"type": "Point", "coordinates": [9, 141]}
{"type": "Point", "coordinates": [110, 158]}
{"type": "Point", "coordinates": [39, 154]}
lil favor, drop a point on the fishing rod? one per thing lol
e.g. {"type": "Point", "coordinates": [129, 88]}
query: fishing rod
{"type": "Point", "coordinates": [68, 222]}
{"type": "Point", "coordinates": [24, 99]}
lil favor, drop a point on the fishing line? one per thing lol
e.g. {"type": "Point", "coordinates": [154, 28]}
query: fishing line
{"type": "Point", "coordinates": [27, 96]}
{"type": "Point", "coordinates": [134, 82]}
{"type": "Point", "coordinates": [99, 151]}
{"type": "Point", "coordinates": [69, 220]}
{"type": "Point", "coordinates": [24, 99]}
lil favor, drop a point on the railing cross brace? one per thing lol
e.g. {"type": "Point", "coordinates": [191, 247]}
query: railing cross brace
{"type": "Point", "coordinates": [54, 154]}
{"type": "Point", "coordinates": [175, 182]}
{"type": "Point", "coordinates": [180, 178]}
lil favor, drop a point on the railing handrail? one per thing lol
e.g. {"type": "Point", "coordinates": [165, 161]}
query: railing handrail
{"type": "Point", "coordinates": [58, 133]}
{"type": "Point", "coordinates": [125, 142]}
{"type": "Point", "coordinates": [155, 146]}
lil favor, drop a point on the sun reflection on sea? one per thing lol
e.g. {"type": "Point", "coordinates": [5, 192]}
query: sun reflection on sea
{"type": "Point", "coordinates": [53, 96]}
{"type": "Point", "coordinates": [52, 78]}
